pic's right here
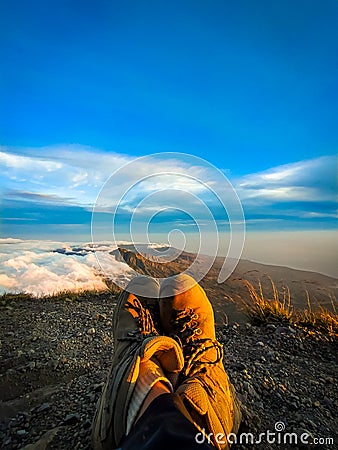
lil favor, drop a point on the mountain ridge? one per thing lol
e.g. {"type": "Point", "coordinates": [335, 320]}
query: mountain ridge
{"type": "Point", "coordinates": [226, 297]}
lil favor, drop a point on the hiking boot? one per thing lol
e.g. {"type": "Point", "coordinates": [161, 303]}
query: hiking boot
{"type": "Point", "coordinates": [187, 315]}
{"type": "Point", "coordinates": [141, 358]}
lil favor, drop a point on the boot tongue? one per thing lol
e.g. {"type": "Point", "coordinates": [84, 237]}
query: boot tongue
{"type": "Point", "coordinates": [167, 351]}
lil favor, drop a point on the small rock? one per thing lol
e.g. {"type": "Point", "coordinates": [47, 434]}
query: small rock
{"type": "Point", "coordinates": [243, 398]}
{"type": "Point", "coordinates": [238, 366]}
{"type": "Point", "coordinates": [86, 424]}
{"type": "Point", "coordinates": [91, 331]}
{"type": "Point", "coordinates": [100, 316]}
{"type": "Point", "coordinates": [21, 432]}
{"type": "Point", "coordinates": [316, 404]}
{"type": "Point", "coordinates": [246, 385]}
{"type": "Point", "coordinates": [247, 375]}
{"type": "Point", "coordinates": [98, 387]}
{"type": "Point", "coordinates": [53, 363]}
{"type": "Point", "coordinates": [43, 442]}
{"type": "Point", "coordinates": [43, 407]}
{"type": "Point", "coordinates": [293, 406]}
{"type": "Point", "coordinates": [71, 419]}
{"type": "Point", "coordinates": [311, 424]}
{"type": "Point", "coordinates": [282, 330]}
{"type": "Point", "coordinates": [91, 398]}
{"type": "Point", "coordinates": [327, 401]}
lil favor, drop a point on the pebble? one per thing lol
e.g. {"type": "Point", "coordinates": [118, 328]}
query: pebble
{"type": "Point", "coordinates": [32, 365]}
{"type": "Point", "coordinates": [44, 407]}
{"type": "Point", "coordinates": [87, 424]}
{"type": "Point", "coordinates": [98, 387]}
{"type": "Point", "coordinates": [238, 366]}
{"type": "Point", "coordinates": [21, 432]}
{"type": "Point", "coordinates": [71, 419]}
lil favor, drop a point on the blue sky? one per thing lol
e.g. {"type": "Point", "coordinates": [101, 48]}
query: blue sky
{"type": "Point", "coordinates": [247, 85]}
{"type": "Point", "coordinates": [250, 86]}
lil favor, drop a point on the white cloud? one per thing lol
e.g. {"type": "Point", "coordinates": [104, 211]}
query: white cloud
{"type": "Point", "coordinates": [6, 282]}
{"type": "Point", "coordinates": [309, 180]}
{"type": "Point", "coordinates": [74, 175]}
{"type": "Point", "coordinates": [281, 193]}
{"type": "Point", "coordinates": [79, 179]}
{"type": "Point", "coordinates": [312, 215]}
{"type": "Point", "coordinates": [32, 267]}
{"type": "Point", "coordinates": [28, 164]}
{"type": "Point", "coordinates": [65, 172]}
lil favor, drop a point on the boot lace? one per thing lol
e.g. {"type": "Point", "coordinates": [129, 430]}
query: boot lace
{"type": "Point", "coordinates": [145, 322]}
{"type": "Point", "coordinates": [185, 324]}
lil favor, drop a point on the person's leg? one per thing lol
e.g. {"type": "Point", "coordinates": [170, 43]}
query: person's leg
{"type": "Point", "coordinates": [143, 364]}
{"type": "Point", "coordinates": [204, 409]}
{"type": "Point", "coordinates": [204, 387]}
{"type": "Point", "coordinates": [163, 426]}
{"type": "Point", "coordinates": [158, 389]}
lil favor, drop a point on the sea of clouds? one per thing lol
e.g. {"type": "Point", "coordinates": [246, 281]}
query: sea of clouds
{"type": "Point", "coordinates": [47, 267]}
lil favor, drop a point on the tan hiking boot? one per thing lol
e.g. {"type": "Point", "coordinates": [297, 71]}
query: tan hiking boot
{"type": "Point", "coordinates": [141, 358]}
{"type": "Point", "coordinates": [187, 315]}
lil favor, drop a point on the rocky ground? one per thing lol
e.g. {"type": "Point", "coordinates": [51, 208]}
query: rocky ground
{"type": "Point", "coordinates": [55, 354]}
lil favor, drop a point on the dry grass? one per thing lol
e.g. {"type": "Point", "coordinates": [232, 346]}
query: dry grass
{"type": "Point", "coordinates": [320, 319]}
{"type": "Point", "coordinates": [261, 310]}
{"type": "Point", "coordinates": [8, 297]}
{"type": "Point", "coordinates": [278, 309]}
{"type": "Point", "coordinates": [67, 296]}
